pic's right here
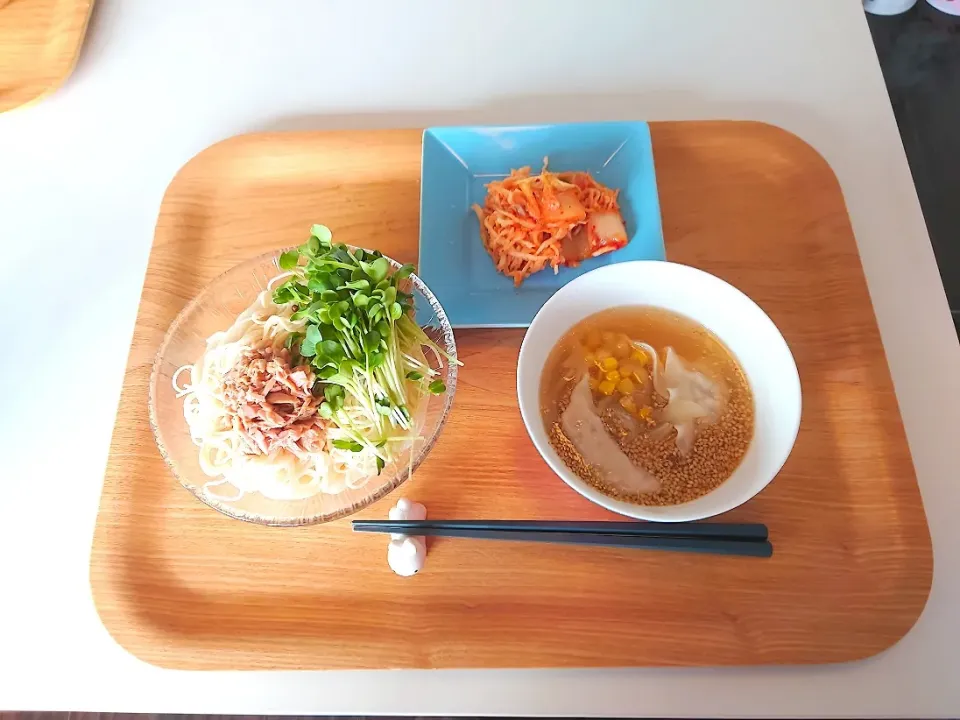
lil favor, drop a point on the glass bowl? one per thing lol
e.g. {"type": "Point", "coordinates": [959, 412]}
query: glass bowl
{"type": "Point", "coordinates": [215, 309]}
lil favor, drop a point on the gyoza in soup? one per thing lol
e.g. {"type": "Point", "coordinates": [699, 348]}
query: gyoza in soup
{"type": "Point", "coordinates": [646, 405]}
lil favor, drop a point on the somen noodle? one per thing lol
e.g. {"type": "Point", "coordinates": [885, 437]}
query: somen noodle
{"type": "Point", "coordinates": [317, 385]}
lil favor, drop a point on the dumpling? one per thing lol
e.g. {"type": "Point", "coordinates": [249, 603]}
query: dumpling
{"type": "Point", "coordinates": [584, 428]}
{"type": "Point", "coordinates": [690, 395]}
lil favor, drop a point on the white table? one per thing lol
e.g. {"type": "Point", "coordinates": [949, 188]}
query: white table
{"type": "Point", "coordinates": [81, 178]}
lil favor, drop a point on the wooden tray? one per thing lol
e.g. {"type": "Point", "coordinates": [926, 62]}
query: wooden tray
{"type": "Point", "coordinates": [39, 45]}
{"type": "Point", "coordinates": [181, 586]}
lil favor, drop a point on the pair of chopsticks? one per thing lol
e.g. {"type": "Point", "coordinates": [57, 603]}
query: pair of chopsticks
{"type": "Point", "coordinates": [743, 539]}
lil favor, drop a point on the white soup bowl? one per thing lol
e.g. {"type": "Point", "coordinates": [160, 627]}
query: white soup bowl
{"type": "Point", "coordinates": [740, 324]}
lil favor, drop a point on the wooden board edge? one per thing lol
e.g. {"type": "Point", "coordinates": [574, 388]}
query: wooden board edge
{"type": "Point", "coordinates": [123, 632]}
{"type": "Point", "coordinates": [42, 92]}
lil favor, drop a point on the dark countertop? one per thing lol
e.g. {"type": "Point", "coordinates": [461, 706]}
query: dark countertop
{"type": "Point", "coordinates": [919, 54]}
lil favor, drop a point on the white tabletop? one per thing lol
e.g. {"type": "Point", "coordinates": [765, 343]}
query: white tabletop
{"type": "Point", "coordinates": [81, 178]}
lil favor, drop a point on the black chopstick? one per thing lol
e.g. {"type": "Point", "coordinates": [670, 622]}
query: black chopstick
{"type": "Point", "coordinates": [746, 548]}
{"type": "Point", "coordinates": [719, 531]}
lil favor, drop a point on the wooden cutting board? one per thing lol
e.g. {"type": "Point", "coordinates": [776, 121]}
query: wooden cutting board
{"type": "Point", "coordinates": [39, 45]}
{"type": "Point", "coordinates": [181, 586]}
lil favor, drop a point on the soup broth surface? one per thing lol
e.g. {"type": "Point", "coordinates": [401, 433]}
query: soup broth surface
{"type": "Point", "coordinates": [665, 390]}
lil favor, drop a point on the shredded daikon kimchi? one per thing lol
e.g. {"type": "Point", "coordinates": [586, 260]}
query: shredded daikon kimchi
{"type": "Point", "coordinates": [528, 222]}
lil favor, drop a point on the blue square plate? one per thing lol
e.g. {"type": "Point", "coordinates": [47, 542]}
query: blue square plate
{"type": "Point", "coordinates": [457, 164]}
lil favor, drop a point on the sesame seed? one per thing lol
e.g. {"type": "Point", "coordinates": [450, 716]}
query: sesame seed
{"type": "Point", "coordinates": [717, 451]}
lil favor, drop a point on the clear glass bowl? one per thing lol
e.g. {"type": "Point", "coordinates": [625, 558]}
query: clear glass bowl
{"type": "Point", "coordinates": [215, 309]}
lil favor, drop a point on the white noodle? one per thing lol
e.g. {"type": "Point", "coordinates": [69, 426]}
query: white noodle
{"type": "Point", "coordinates": [281, 474]}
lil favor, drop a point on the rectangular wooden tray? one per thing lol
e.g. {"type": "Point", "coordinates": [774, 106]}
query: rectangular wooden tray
{"type": "Point", "coordinates": [181, 586]}
{"type": "Point", "coordinates": [39, 44]}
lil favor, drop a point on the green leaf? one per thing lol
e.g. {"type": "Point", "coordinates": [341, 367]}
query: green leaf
{"type": "Point", "coordinates": [327, 372]}
{"type": "Point", "coordinates": [319, 283]}
{"type": "Point", "coordinates": [374, 307]}
{"type": "Point", "coordinates": [292, 339]}
{"type": "Point", "coordinates": [332, 391]}
{"type": "Point", "coordinates": [322, 234]}
{"type": "Point", "coordinates": [359, 284]}
{"type": "Point", "coordinates": [310, 311]}
{"type": "Point", "coordinates": [375, 360]}
{"type": "Point", "coordinates": [379, 269]}
{"type": "Point", "coordinates": [383, 328]}
{"type": "Point", "coordinates": [351, 445]}
{"type": "Point", "coordinates": [313, 310]}
{"type": "Point", "coordinates": [330, 349]}
{"type": "Point", "coordinates": [313, 245]}
{"type": "Point", "coordinates": [371, 341]}
{"type": "Point", "coordinates": [325, 410]}
{"type": "Point", "coordinates": [282, 294]}
{"type": "Point", "coordinates": [396, 311]}
{"type": "Point", "coordinates": [380, 464]}
{"type": "Point", "coordinates": [437, 387]}
{"type": "Point", "coordinates": [308, 348]}
{"type": "Point", "coordinates": [288, 260]}
{"type": "Point", "coordinates": [389, 295]}
{"type": "Point", "coordinates": [313, 334]}
{"type": "Point", "coordinates": [404, 272]}
{"type": "Point", "coordinates": [361, 300]}
{"type": "Point", "coordinates": [329, 296]}
{"type": "Point", "coordinates": [298, 293]}
{"type": "Point", "coordinates": [414, 375]}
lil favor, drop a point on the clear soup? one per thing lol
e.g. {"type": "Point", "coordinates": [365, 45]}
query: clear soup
{"type": "Point", "coordinates": [646, 405]}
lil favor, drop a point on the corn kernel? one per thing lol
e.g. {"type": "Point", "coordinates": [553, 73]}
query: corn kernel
{"type": "Point", "coordinates": [609, 363]}
{"type": "Point", "coordinates": [646, 412]}
{"type": "Point", "coordinates": [625, 385]}
{"type": "Point", "coordinates": [607, 387]}
{"type": "Point", "coordinates": [602, 354]}
{"type": "Point", "coordinates": [628, 404]}
{"type": "Point", "coordinates": [639, 355]}
{"type": "Point", "coordinates": [613, 376]}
